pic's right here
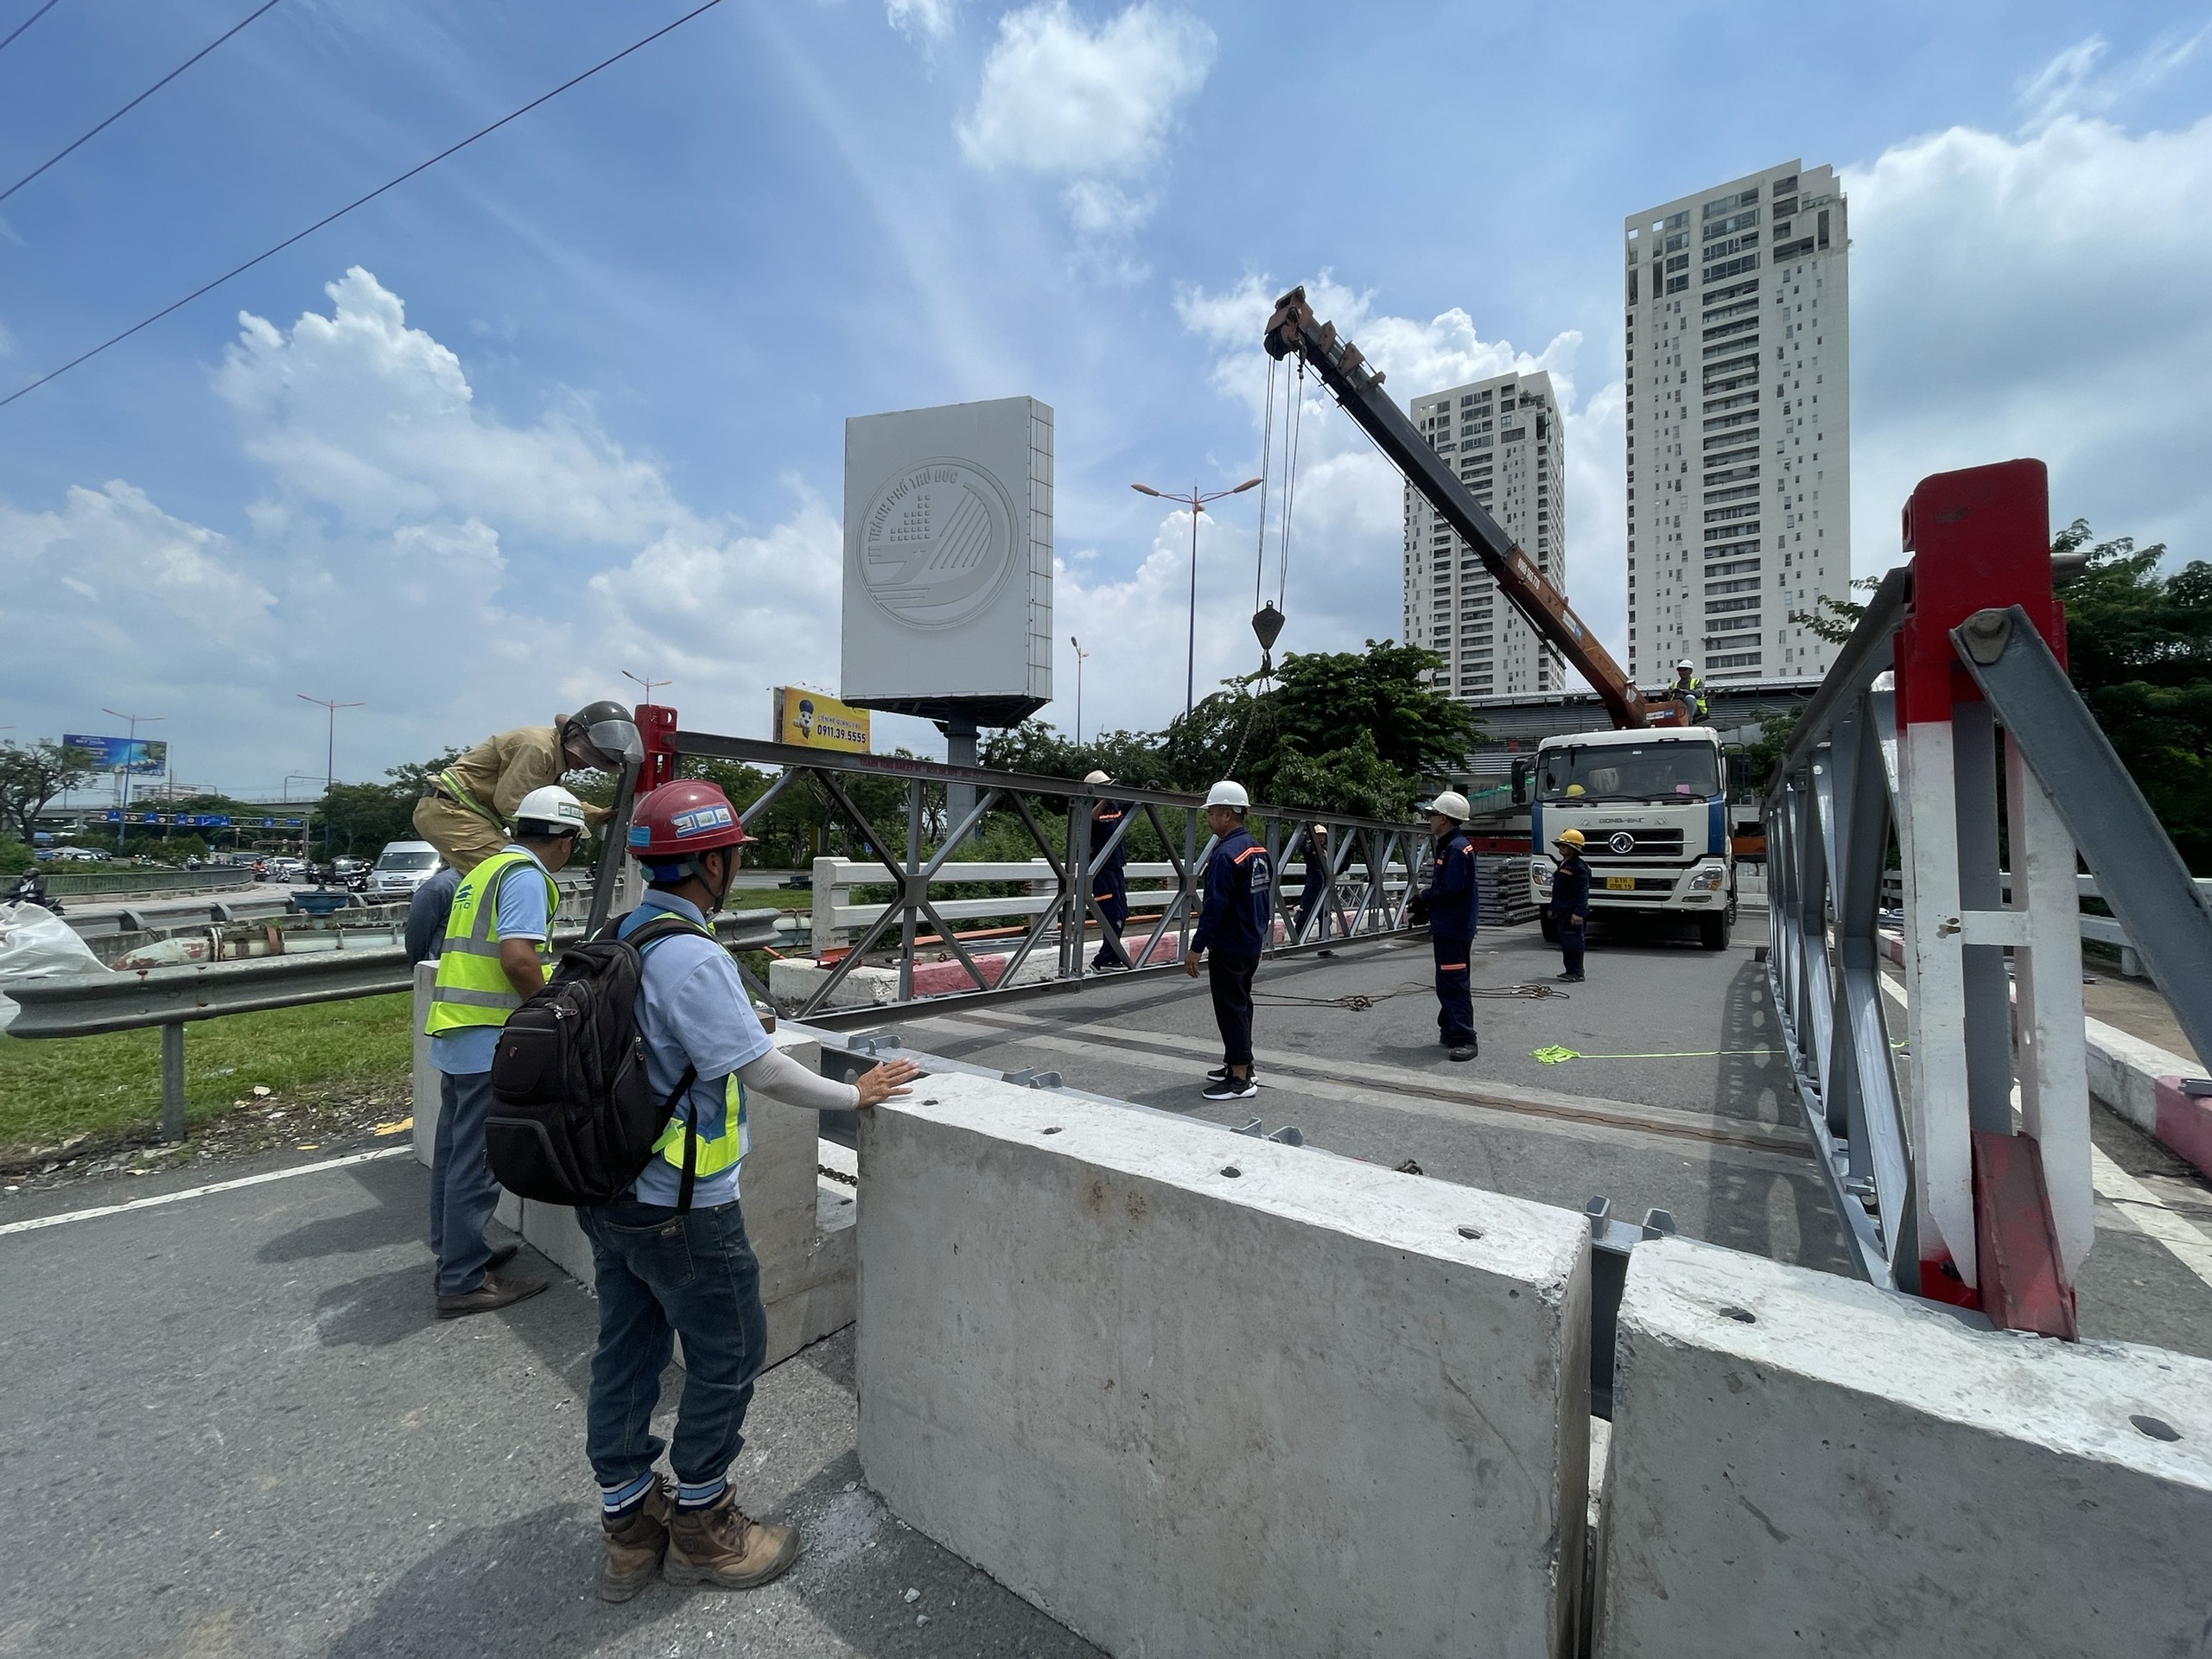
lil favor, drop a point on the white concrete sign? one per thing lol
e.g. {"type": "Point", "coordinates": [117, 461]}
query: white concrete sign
{"type": "Point", "coordinates": [948, 592]}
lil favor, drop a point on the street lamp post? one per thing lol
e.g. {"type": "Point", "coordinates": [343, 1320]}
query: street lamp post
{"type": "Point", "coordinates": [1081, 657]}
{"type": "Point", "coordinates": [329, 762]}
{"type": "Point", "coordinates": [649, 685]}
{"type": "Point", "coordinates": [1195, 501]}
{"type": "Point", "coordinates": [122, 808]}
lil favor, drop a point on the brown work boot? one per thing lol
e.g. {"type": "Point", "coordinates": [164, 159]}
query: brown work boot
{"type": "Point", "coordinates": [494, 1292]}
{"type": "Point", "coordinates": [634, 1546]}
{"type": "Point", "coordinates": [721, 1546]}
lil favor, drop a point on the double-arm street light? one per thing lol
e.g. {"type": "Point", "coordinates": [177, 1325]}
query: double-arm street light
{"type": "Point", "coordinates": [1081, 657]}
{"type": "Point", "coordinates": [329, 764]}
{"type": "Point", "coordinates": [130, 756]}
{"type": "Point", "coordinates": [1195, 501]}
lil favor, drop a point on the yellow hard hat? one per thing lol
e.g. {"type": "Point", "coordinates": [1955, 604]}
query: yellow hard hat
{"type": "Point", "coordinates": [1569, 838]}
{"type": "Point", "coordinates": [1573, 790]}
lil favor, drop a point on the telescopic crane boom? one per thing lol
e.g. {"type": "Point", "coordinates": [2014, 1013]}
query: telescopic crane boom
{"type": "Point", "coordinates": [1294, 330]}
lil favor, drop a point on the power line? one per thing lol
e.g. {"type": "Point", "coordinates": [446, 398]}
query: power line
{"type": "Point", "coordinates": [135, 102]}
{"type": "Point", "coordinates": [359, 202]}
{"type": "Point", "coordinates": [27, 23]}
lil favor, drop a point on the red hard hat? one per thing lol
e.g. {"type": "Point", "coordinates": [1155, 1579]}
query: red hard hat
{"type": "Point", "coordinates": [679, 819]}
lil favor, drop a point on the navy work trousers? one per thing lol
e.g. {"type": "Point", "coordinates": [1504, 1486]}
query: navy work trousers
{"type": "Point", "coordinates": [1455, 1003]}
{"type": "Point", "coordinates": [1111, 890]}
{"type": "Point", "coordinates": [659, 1274]}
{"type": "Point", "coordinates": [1230, 978]}
{"type": "Point", "coordinates": [463, 1194]}
{"type": "Point", "coordinates": [1570, 944]}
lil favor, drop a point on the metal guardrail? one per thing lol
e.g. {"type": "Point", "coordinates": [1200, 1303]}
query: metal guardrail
{"type": "Point", "coordinates": [79, 883]}
{"type": "Point", "coordinates": [1362, 852]}
{"type": "Point", "coordinates": [1942, 1195]}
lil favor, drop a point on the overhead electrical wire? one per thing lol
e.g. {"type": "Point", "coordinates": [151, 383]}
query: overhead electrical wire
{"type": "Point", "coordinates": [10, 37]}
{"type": "Point", "coordinates": [135, 102]}
{"type": "Point", "coordinates": [359, 202]}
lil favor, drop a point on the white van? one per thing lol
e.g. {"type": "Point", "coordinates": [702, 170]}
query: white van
{"type": "Point", "coordinates": [403, 866]}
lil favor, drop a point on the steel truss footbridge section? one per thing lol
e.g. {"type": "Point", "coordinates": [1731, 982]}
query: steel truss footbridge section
{"type": "Point", "coordinates": [1370, 860]}
{"type": "Point", "coordinates": [1959, 658]}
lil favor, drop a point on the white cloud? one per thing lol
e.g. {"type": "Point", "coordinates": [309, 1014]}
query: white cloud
{"type": "Point", "coordinates": [2036, 295]}
{"type": "Point", "coordinates": [931, 19]}
{"type": "Point", "coordinates": [1094, 104]}
{"type": "Point", "coordinates": [2071, 84]}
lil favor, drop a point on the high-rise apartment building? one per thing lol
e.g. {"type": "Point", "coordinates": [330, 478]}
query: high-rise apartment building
{"type": "Point", "coordinates": [1738, 426]}
{"type": "Point", "coordinates": [1504, 438]}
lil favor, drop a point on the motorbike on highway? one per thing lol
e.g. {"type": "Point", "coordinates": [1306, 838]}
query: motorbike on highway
{"type": "Point", "coordinates": [30, 889]}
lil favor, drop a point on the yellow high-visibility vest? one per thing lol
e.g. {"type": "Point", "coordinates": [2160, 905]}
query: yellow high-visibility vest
{"type": "Point", "coordinates": [718, 1154]}
{"type": "Point", "coordinates": [472, 987]}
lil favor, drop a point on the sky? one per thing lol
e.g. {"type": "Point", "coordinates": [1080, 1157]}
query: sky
{"type": "Point", "coordinates": [571, 403]}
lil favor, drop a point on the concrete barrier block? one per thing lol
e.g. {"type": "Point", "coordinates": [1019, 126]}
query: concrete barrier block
{"type": "Point", "coordinates": [1805, 1464]}
{"type": "Point", "coordinates": [2185, 1124]}
{"type": "Point", "coordinates": [424, 1076]}
{"type": "Point", "coordinates": [1198, 1395]}
{"type": "Point", "coordinates": [2124, 1072]}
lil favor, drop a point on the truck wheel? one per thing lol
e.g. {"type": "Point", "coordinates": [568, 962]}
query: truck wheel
{"type": "Point", "coordinates": [1549, 928]}
{"type": "Point", "coordinates": [1712, 931]}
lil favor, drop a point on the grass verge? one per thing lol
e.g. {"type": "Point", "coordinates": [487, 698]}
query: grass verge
{"type": "Point", "coordinates": [108, 1088]}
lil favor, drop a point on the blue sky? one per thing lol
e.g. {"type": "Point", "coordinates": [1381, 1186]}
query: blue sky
{"type": "Point", "coordinates": [573, 402]}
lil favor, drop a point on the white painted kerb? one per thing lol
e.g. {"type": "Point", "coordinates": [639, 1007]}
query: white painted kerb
{"type": "Point", "coordinates": [1290, 1412]}
{"type": "Point", "coordinates": [1864, 1473]}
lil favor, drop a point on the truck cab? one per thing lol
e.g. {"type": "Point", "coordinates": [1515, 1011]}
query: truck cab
{"type": "Point", "coordinates": [1653, 810]}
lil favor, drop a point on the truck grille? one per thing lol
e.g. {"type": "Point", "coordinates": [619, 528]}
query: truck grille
{"type": "Point", "coordinates": [1627, 845]}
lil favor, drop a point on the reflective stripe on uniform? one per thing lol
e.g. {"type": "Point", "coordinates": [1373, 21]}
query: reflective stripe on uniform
{"type": "Point", "coordinates": [718, 1154]}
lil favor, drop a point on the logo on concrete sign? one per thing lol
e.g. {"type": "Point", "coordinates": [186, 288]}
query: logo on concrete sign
{"type": "Point", "coordinates": [937, 543]}
{"type": "Point", "coordinates": [1621, 841]}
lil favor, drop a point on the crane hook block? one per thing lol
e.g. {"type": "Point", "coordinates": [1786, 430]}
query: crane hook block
{"type": "Point", "coordinates": [1267, 623]}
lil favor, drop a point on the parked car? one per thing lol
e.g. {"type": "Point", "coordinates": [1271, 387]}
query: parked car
{"type": "Point", "coordinates": [403, 866]}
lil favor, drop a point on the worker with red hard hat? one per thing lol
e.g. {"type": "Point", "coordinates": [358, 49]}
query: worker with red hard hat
{"type": "Point", "coordinates": [663, 1270]}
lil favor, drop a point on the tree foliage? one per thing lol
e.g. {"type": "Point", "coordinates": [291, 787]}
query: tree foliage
{"type": "Point", "coordinates": [1835, 620]}
{"type": "Point", "coordinates": [32, 774]}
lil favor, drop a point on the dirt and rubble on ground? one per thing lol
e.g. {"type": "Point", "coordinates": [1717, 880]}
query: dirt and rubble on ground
{"type": "Point", "coordinates": [262, 1120]}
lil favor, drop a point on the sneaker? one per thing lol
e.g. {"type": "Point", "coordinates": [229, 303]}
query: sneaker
{"type": "Point", "coordinates": [1568, 979]}
{"type": "Point", "coordinates": [1232, 1089]}
{"type": "Point", "coordinates": [1109, 966]}
{"type": "Point", "coordinates": [1463, 1051]}
{"type": "Point", "coordinates": [1221, 1071]}
{"type": "Point", "coordinates": [635, 1545]}
{"type": "Point", "coordinates": [724, 1549]}
{"type": "Point", "coordinates": [494, 1292]}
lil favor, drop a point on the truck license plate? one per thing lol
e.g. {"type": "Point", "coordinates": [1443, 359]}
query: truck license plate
{"type": "Point", "coordinates": [1620, 883]}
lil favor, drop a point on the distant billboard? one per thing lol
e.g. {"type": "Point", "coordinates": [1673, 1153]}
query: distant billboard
{"type": "Point", "coordinates": [818, 719]}
{"type": "Point", "coordinates": [136, 755]}
{"type": "Point", "coordinates": [947, 590]}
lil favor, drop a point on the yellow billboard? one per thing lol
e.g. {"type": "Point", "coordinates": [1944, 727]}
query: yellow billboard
{"type": "Point", "coordinates": [818, 719]}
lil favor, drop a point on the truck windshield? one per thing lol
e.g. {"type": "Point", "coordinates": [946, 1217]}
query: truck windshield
{"type": "Point", "coordinates": [1631, 771]}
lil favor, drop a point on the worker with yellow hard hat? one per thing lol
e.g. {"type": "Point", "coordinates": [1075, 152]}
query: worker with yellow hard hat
{"type": "Point", "coordinates": [1570, 902]}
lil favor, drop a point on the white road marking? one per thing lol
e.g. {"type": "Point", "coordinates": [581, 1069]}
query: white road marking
{"type": "Point", "coordinates": [37, 1221]}
{"type": "Point", "coordinates": [2136, 1204]}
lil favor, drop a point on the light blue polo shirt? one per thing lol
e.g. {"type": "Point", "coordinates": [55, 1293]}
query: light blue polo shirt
{"type": "Point", "coordinates": [692, 1010]}
{"type": "Point", "coordinates": [521, 914]}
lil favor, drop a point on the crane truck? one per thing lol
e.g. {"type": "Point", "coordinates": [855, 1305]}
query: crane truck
{"type": "Point", "coordinates": [1649, 795]}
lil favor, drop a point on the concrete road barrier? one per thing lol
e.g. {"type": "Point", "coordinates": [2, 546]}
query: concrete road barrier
{"type": "Point", "coordinates": [1193, 1394]}
{"type": "Point", "coordinates": [1804, 1463]}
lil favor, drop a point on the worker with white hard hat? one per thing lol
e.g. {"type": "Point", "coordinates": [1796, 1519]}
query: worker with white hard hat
{"type": "Point", "coordinates": [1688, 690]}
{"type": "Point", "coordinates": [495, 956]}
{"type": "Point", "coordinates": [1449, 905]}
{"type": "Point", "coordinates": [1233, 924]}
{"type": "Point", "coordinates": [1108, 852]}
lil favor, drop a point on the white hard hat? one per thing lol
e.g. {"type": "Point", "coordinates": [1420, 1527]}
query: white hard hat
{"type": "Point", "coordinates": [1228, 793]}
{"type": "Point", "coordinates": [1451, 804]}
{"type": "Point", "coordinates": [551, 808]}
{"type": "Point", "coordinates": [1095, 776]}
{"type": "Point", "coordinates": [1684, 664]}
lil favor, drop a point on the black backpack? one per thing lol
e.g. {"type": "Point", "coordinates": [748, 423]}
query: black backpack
{"type": "Point", "coordinates": [573, 1120]}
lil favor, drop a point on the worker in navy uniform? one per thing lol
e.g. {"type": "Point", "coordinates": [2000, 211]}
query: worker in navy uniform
{"type": "Point", "coordinates": [1233, 924]}
{"type": "Point", "coordinates": [1449, 907]}
{"type": "Point", "coordinates": [1109, 888]}
{"type": "Point", "coordinates": [1313, 890]}
{"type": "Point", "coordinates": [1570, 903]}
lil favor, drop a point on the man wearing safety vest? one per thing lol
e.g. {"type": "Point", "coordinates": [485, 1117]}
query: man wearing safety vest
{"type": "Point", "coordinates": [465, 809]}
{"type": "Point", "coordinates": [494, 955]}
{"type": "Point", "coordinates": [1688, 690]}
{"type": "Point", "coordinates": [662, 1270]}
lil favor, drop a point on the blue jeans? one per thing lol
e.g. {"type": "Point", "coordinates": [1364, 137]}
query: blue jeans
{"type": "Point", "coordinates": [463, 1193]}
{"type": "Point", "coordinates": [660, 1273]}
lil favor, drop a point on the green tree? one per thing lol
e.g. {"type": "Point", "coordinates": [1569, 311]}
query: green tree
{"type": "Point", "coordinates": [1835, 620]}
{"type": "Point", "coordinates": [31, 775]}
{"type": "Point", "coordinates": [2138, 646]}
